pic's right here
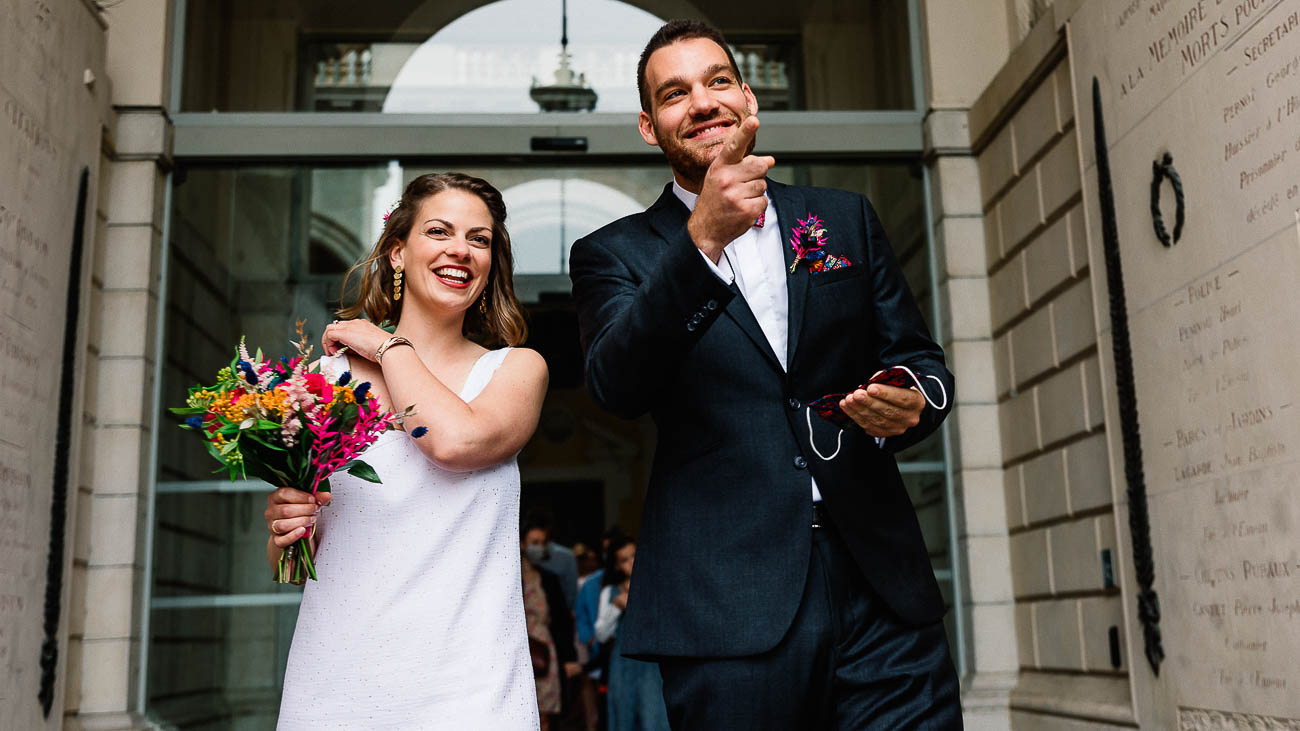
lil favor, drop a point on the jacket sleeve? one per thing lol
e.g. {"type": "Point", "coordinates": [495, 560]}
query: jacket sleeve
{"type": "Point", "coordinates": [636, 327]}
{"type": "Point", "coordinates": [901, 335]}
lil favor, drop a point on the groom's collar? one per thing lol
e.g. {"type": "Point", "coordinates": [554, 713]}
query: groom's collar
{"type": "Point", "coordinates": [684, 195]}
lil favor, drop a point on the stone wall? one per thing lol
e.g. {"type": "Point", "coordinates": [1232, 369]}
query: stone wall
{"type": "Point", "coordinates": [54, 100]}
{"type": "Point", "coordinates": [1059, 506]}
{"type": "Point", "coordinates": [104, 690]}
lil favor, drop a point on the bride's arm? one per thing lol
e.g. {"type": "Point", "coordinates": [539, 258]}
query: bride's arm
{"type": "Point", "coordinates": [461, 437]}
{"type": "Point", "coordinates": [468, 436]}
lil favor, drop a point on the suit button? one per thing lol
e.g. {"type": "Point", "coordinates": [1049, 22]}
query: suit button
{"type": "Point", "coordinates": [691, 326]}
{"type": "Point", "coordinates": [711, 305]}
{"type": "Point", "coordinates": [800, 463]}
{"type": "Point", "coordinates": [794, 404]}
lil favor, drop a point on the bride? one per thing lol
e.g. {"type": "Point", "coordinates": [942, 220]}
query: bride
{"type": "Point", "coordinates": [418, 618]}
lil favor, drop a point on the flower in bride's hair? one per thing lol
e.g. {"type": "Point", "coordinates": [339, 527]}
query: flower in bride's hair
{"type": "Point", "coordinates": [396, 204]}
{"type": "Point", "coordinates": [419, 431]}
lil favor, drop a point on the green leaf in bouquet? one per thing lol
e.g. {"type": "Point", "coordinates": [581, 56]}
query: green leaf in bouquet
{"type": "Point", "coordinates": [265, 424]}
{"type": "Point", "coordinates": [253, 435]}
{"type": "Point", "coordinates": [349, 418]}
{"type": "Point", "coordinates": [229, 447]}
{"type": "Point", "coordinates": [363, 471]}
{"type": "Point", "coordinates": [266, 472]}
{"type": "Point", "coordinates": [187, 410]}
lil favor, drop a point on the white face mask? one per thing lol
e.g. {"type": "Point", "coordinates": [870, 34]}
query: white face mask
{"type": "Point", "coordinates": [535, 553]}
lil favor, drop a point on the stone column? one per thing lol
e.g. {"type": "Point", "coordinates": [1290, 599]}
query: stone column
{"type": "Point", "coordinates": [965, 44]}
{"type": "Point", "coordinates": [104, 692]}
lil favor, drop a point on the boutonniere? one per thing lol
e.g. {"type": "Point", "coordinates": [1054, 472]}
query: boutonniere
{"type": "Point", "coordinates": [808, 240]}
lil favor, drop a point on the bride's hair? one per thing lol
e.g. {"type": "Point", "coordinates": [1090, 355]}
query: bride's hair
{"type": "Point", "coordinates": [373, 296]}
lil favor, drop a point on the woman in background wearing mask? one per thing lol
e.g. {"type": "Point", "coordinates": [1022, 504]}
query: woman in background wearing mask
{"type": "Point", "coordinates": [636, 690]}
{"type": "Point", "coordinates": [550, 624]}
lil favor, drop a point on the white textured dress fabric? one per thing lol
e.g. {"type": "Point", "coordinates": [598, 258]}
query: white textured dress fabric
{"type": "Point", "coordinates": [417, 621]}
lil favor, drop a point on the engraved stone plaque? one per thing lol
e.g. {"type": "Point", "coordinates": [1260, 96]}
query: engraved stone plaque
{"type": "Point", "coordinates": [50, 121]}
{"type": "Point", "coordinates": [1215, 325]}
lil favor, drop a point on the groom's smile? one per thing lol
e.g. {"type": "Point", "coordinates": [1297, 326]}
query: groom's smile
{"type": "Point", "coordinates": [710, 130]}
{"type": "Point", "coordinates": [695, 99]}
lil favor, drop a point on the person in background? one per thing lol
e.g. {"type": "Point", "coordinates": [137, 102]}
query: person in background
{"type": "Point", "coordinates": [585, 610]}
{"type": "Point", "coordinates": [550, 624]}
{"type": "Point", "coordinates": [588, 603]}
{"type": "Point", "coordinates": [589, 562]}
{"type": "Point", "coordinates": [636, 700]}
{"type": "Point", "coordinates": [589, 573]}
{"type": "Point", "coordinates": [558, 559]}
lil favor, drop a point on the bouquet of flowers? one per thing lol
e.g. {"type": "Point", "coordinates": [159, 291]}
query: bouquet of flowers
{"type": "Point", "coordinates": [289, 424]}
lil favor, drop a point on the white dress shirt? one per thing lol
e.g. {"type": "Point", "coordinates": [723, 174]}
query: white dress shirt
{"type": "Point", "coordinates": [607, 615]}
{"type": "Point", "coordinates": [755, 261]}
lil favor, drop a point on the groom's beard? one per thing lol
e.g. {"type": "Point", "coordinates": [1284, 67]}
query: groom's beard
{"type": "Point", "coordinates": [691, 162]}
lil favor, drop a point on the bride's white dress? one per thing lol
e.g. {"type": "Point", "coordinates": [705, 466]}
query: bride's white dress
{"type": "Point", "coordinates": [417, 621]}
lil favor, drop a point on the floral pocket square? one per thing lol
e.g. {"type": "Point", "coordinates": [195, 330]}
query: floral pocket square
{"type": "Point", "coordinates": [809, 239]}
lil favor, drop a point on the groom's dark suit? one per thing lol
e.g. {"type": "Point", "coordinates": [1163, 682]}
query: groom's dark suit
{"type": "Point", "coordinates": [725, 538]}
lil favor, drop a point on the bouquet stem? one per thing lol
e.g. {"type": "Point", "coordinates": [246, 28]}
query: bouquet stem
{"type": "Point", "coordinates": [296, 564]}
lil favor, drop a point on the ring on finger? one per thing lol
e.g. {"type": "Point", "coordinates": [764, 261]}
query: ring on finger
{"type": "Point", "coordinates": [274, 529]}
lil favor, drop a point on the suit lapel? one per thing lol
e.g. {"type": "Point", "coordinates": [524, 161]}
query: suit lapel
{"type": "Point", "coordinates": [738, 310]}
{"type": "Point", "coordinates": [668, 218]}
{"type": "Point", "coordinates": [668, 215]}
{"type": "Point", "coordinates": [789, 208]}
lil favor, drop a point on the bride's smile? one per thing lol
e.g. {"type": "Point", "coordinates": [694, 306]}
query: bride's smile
{"type": "Point", "coordinates": [451, 244]}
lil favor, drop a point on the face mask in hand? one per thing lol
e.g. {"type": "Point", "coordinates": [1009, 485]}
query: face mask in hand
{"type": "Point", "coordinates": [535, 553]}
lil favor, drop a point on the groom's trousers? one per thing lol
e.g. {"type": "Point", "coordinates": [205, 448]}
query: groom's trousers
{"type": "Point", "coordinates": [847, 662]}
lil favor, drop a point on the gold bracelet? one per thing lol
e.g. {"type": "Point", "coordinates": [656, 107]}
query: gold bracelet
{"type": "Point", "coordinates": [395, 340]}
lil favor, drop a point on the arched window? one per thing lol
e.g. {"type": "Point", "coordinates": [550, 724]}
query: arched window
{"type": "Point", "coordinates": [488, 59]}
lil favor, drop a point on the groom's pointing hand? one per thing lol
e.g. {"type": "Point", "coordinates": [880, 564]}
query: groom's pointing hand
{"type": "Point", "coordinates": [732, 196]}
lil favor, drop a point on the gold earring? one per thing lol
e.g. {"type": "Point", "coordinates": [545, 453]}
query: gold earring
{"type": "Point", "coordinates": [397, 283]}
{"type": "Point", "coordinates": [482, 304]}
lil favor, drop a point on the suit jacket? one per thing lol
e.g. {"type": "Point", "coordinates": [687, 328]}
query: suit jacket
{"type": "Point", "coordinates": [725, 539]}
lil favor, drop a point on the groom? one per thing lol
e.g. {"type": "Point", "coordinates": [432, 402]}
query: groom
{"type": "Point", "coordinates": [782, 581]}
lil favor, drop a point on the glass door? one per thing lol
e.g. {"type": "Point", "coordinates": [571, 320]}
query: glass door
{"type": "Point", "coordinates": [298, 124]}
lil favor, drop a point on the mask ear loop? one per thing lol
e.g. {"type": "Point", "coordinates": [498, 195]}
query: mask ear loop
{"type": "Point", "coordinates": [839, 438]}
{"type": "Point", "coordinates": [943, 390]}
